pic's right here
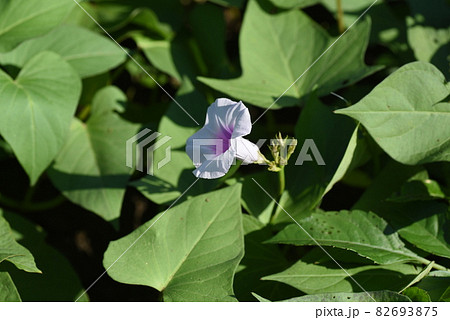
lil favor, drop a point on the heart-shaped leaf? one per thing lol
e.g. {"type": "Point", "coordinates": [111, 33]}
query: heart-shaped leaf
{"type": "Point", "coordinates": [87, 52]}
{"type": "Point", "coordinates": [400, 111]}
{"type": "Point", "coordinates": [24, 19]}
{"type": "Point", "coordinates": [291, 42]}
{"type": "Point", "coordinates": [37, 108]}
{"type": "Point", "coordinates": [91, 170]}
{"type": "Point", "coordinates": [190, 252]}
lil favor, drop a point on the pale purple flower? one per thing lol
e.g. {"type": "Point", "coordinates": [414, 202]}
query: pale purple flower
{"type": "Point", "coordinates": [214, 148]}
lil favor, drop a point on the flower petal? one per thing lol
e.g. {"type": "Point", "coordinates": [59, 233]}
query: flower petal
{"type": "Point", "coordinates": [246, 151]}
{"type": "Point", "coordinates": [202, 145]}
{"type": "Point", "coordinates": [227, 115]}
{"type": "Point", "coordinates": [217, 167]}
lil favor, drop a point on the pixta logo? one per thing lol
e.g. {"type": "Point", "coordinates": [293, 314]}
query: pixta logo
{"type": "Point", "coordinates": [146, 151]}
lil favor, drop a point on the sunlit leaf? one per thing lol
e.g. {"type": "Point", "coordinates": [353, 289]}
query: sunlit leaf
{"type": "Point", "coordinates": [37, 108]}
{"type": "Point", "coordinates": [287, 44]}
{"type": "Point", "coordinates": [400, 110]}
{"type": "Point", "coordinates": [87, 52]}
{"type": "Point", "coordinates": [189, 253]}
{"type": "Point", "coordinates": [359, 231]}
{"type": "Point", "coordinates": [24, 19]}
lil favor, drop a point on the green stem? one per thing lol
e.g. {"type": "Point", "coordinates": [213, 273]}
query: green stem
{"type": "Point", "coordinates": [30, 206]}
{"type": "Point", "coordinates": [435, 265]}
{"type": "Point", "coordinates": [281, 187]}
{"type": "Point", "coordinates": [340, 16]}
{"type": "Point", "coordinates": [282, 181]}
{"type": "Point", "coordinates": [84, 113]}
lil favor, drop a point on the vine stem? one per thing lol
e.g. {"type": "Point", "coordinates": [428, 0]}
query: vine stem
{"type": "Point", "coordinates": [340, 16]}
{"type": "Point", "coordinates": [435, 265]}
{"type": "Point", "coordinates": [282, 181]}
{"type": "Point", "coordinates": [31, 206]}
{"type": "Point", "coordinates": [281, 187]}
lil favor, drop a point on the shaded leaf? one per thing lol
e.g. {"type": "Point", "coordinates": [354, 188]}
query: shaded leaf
{"type": "Point", "coordinates": [417, 294]}
{"type": "Point", "coordinates": [436, 284]}
{"type": "Point", "coordinates": [308, 180]}
{"type": "Point", "coordinates": [312, 278]}
{"type": "Point", "coordinates": [431, 45]}
{"type": "Point", "coordinates": [424, 224]}
{"type": "Point", "coordinates": [58, 281]}
{"type": "Point", "coordinates": [91, 170]}
{"type": "Point", "coordinates": [170, 180]}
{"type": "Point", "coordinates": [13, 252]}
{"type": "Point", "coordinates": [260, 259]}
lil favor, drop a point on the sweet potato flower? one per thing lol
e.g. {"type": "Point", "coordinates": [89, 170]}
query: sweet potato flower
{"type": "Point", "coordinates": [214, 148]}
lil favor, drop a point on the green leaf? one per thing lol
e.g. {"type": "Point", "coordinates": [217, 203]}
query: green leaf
{"type": "Point", "coordinates": [8, 292]}
{"type": "Point", "coordinates": [388, 180]}
{"type": "Point", "coordinates": [312, 278]}
{"type": "Point", "coordinates": [147, 19]}
{"type": "Point", "coordinates": [260, 259]}
{"type": "Point", "coordinates": [190, 253]}
{"type": "Point", "coordinates": [90, 170]}
{"type": "Point", "coordinates": [13, 252]}
{"type": "Point", "coordinates": [346, 161]}
{"type": "Point", "coordinates": [430, 45]}
{"type": "Point", "coordinates": [259, 298]}
{"type": "Point", "coordinates": [37, 108]}
{"type": "Point", "coordinates": [87, 52]}
{"type": "Point", "coordinates": [424, 224]}
{"type": "Point", "coordinates": [435, 15]}
{"type": "Point", "coordinates": [209, 30]}
{"type": "Point", "coordinates": [378, 296]}
{"type": "Point", "coordinates": [288, 4]}
{"type": "Point", "coordinates": [418, 190]}
{"type": "Point", "coordinates": [23, 19]}
{"type": "Point", "coordinates": [258, 206]}
{"type": "Point", "coordinates": [446, 295]}
{"type": "Point", "coordinates": [417, 294]}
{"type": "Point", "coordinates": [229, 3]}
{"type": "Point", "coordinates": [56, 269]}
{"type": "Point", "coordinates": [159, 52]}
{"type": "Point", "coordinates": [287, 44]}
{"type": "Point", "coordinates": [420, 276]}
{"type": "Point", "coordinates": [365, 233]}
{"type": "Point", "coordinates": [436, 284]}
{"type": "Point", "coordinates": [399, 111]}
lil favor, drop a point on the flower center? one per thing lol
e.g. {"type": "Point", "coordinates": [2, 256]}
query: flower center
{"type": "Point", "coordinates": [225, 135]}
